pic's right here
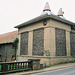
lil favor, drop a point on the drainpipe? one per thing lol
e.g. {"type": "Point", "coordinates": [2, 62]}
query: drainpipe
{"type": "Point", "coordinates": [5, 54]}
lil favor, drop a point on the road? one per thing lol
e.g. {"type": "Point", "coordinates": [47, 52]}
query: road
{"type": "Point", "coordinates": [67, 71]}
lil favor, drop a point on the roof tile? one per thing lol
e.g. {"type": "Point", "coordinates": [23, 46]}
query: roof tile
{"type": "Point", "coordinates": [8, 37]}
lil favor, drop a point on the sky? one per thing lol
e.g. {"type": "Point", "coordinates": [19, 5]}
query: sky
{"type": "Point", "coordinates": [15, 12]}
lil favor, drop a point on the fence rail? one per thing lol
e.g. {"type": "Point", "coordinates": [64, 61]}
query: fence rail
{"type": "Point", "coordinates": [14, 66]}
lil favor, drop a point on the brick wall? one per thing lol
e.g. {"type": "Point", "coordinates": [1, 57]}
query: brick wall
{"type": "Point", "coordinates": [24, 44]}
{"type": "Point", "coordinates": [72, 44]}
{"type": "Point", "coordinates": [38, 42]}
{"type": "Point", "coordinates": [60, 36]}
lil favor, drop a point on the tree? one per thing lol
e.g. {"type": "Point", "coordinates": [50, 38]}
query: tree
{"type": "Point", "coordinates": [15, 44]}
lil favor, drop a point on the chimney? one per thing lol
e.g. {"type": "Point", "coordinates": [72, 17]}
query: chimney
{"type": "Point", "coordinates": [47, 9]}
{"type": "Point", "coordinates": [60, 12]}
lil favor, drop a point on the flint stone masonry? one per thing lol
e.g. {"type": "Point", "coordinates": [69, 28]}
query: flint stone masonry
{"type": "Point", "coordinates": [24, 44]}
{"type": "Point", "coordinates": [38, 42]}
{"type": "Point", "coordinates": [72, 43]}
{"type": "Point", "coordinates": [60, 36]}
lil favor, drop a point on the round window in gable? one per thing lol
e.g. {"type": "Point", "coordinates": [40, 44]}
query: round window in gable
{"type": "Point", "coordinates": [45, 23]}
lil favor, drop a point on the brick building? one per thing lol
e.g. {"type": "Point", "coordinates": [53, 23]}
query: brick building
{"type": "Point", "coordinates": [6, 46]}
{"type": "Point", "coordinates": [48, 37]}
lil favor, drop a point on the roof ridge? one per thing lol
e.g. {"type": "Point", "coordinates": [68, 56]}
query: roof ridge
{"type": "Point", "coordinates": [9, 32]}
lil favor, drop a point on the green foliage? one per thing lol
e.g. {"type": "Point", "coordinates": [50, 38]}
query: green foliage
{"type": "Point", "coordinates": [15, 43]}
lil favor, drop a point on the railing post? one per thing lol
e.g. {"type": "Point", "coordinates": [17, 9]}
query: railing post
{"type": "Point", "coordinates": [1, 67]}
{"type": "Point", "coordinates": [34, 64]}
{"type": "Point", "coordinates": [30, 64]}
{"type": "Point", "coordinates": [5, 66]}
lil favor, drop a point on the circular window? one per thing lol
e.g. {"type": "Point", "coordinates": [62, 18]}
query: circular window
{"type": "Point", "coordinates": [45, 23]}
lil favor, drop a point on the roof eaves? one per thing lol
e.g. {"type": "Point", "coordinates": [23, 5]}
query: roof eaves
{"type": "Point", "coordinates": [33, 20]}
{"type": "Point", "coordinates": [62, 20]}
{"type": "Point", "coordinates": [46, 16]}
{"type": "Point", "coordinates": [5, 42]}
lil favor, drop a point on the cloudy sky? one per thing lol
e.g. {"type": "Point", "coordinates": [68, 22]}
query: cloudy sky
{"type": "Point", "coordinates": [15, 12]}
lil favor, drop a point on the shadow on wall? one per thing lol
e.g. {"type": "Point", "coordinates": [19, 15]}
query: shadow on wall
{"type": "Point", "coordinates": [7, 59]}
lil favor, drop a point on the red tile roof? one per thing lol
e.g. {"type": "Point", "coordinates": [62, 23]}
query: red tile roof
{"type": "Point", "coordinates": [8, 37]}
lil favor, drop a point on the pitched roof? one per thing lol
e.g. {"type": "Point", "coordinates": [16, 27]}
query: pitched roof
{"type": "Point", "coordinates": [8, 37]}
{"type": "Point", "coordinates": [45, 16]}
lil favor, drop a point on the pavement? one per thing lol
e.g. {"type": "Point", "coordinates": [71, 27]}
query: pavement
{"type": "Point", "coordinates": [52, 68]}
